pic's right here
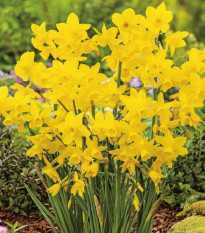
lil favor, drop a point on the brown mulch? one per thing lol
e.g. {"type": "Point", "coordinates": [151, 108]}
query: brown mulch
{"type": "Point", "coordinates": [164, 219]}
{"type": "Point", "coordinates": [36, 223]}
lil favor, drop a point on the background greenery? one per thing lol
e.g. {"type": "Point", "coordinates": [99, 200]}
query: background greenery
{"type": "Point", "coordinates": [16, 17]}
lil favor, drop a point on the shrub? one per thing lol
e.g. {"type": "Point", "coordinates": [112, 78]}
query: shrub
{"type": "Point", "coordinates": [16, 171]}
{"type": "Point", "coordinates": [185, 182]}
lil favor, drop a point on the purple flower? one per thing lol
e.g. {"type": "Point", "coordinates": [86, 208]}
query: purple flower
{"type": "Point", "coordinates": [12, 74]}
{"type": "Point", "coordinates": [3, 229]}
{"type": "Point", "coordinates": [2, 73]}
{"type": "Point", "coordinates": [135, 82]}
{"type": "Point", "coordinates": [41, 100]}
{"type": "Point", "coordinates": [151, 90]}
{"type": "Point", "coordinates": [49, 64]}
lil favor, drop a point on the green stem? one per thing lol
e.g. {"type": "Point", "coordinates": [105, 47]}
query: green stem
{"type": "Point", "coordinates": [64, 203]}
{"type": "Point", "coordinates": [40, 176]}
{"type": "Point", "coordinates": [118, 85]}
{"type": "Point", "coordinates": [63, 105]}
{"type": "Point", "coordinates": [119, 74]}
{"type": "Point", "coordinates": [83, 143]}
{"type": "Point", "coordinates": [61, 140]}
{"type": "Point", "coordinates": [200, 144]}
{"type": "Point", "coordinates": [150, 197]}
{"type": "Point", "coordinates": [30, 130]}
{"type": "Point", "coordinates": [95, 29]}
{"type": "Point", "coordinates": [117, 214]}
{"type": "Point", "coordinates": [56, 207]}
{"type": "Point", "coordinates": [93, 111]}
{"type": "Point", "coordinates": [106, 217]}
{"type": "Point", "coordinates": [145, 208]}
{"type": "Point", "coordinates": [154, 117]}
{"type": "Point", "coordinates": [117, 210]}
{"type": "Point", "coordinates": [74, 106]}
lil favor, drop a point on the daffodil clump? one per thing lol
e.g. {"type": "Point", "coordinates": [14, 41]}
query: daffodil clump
{"type": "Point", "coordinates": [94, 122]}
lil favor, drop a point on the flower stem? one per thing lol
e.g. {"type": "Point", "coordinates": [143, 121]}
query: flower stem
{"type": "Point", "coordinates": [63, 105]}
{"type": "Point", "coordinates": [119, 74]}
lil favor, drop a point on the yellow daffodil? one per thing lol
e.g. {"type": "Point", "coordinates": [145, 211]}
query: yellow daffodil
{"type": "Point", "coordinates": [136, 202]}
{"type": "Point", "coordinates": [175, 40]}
{"type": "Point", "coordinates": [24, 67]}
{"type": "Point", "coordinates": [91, 120]}
{"type": "Point", "coordinates": [78, 186]}
{"type": "Point", "coordinates": [158, 19]}
{"type": "Point", "coordinates": [54, 190]}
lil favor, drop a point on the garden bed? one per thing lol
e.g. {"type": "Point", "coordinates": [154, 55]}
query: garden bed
{"type": "Point", "coordinates": [164, 219]}
{"type": "Point", "coordinates": [36, 223]}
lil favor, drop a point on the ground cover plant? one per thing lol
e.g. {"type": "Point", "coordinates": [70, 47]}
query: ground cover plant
{"type": "Point", "coordinates": [194, 224]}
{"type": "Point", "coordinates": [197, 208]}
{"type": "Point", "coordinates": [102, 142]}
{"type": "Point", "coordinates": [16, 171]}
{"type": "Point", "coordinates": [185, 182]}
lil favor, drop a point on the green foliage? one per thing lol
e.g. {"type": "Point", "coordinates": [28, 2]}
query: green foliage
{"type": "Point", "coordinates": [14, 227]}
{"type": "Point", "coordinates": [196, 208]}
{"type": "Point", "coordinates": [194, 224]}
{"type": "Point", "coordinates": [6, 81]}
{"type": "Point", "coordinates": [185, 182]}
{"type": "Point", "coordinates": [196, 12]}
{"type": "Point", "coordinates": [16, 170]}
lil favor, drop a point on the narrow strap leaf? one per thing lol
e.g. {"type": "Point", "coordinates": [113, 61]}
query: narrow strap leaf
{"type": "Point", "coordinates": [82, 204]}
{"type": "Point", "coordinates": [43, 209]}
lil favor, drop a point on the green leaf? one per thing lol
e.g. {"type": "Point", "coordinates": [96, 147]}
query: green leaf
{"type": "Point", "coordinates": [22, 212]}
{"type": "Point", "coordinates": [15, 224]}
{"type": "Point", "coordinates": [43, 210]}
{"type": "Point", "coordinates": [21, 227]}
{"type": "Point", "coordinates": [9, 224]}
{"type": "Point", "coordinates": [82, 204]}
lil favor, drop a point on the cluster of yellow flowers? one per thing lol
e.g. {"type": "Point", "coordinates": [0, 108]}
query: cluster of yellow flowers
{"type": "Point", "coordinates": [91, 120]}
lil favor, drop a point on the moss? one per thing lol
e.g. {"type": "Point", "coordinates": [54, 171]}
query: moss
{"type": "Point", "coordinates": [194, 224]}
{"type": "Point", "coordinates": [197, 208]}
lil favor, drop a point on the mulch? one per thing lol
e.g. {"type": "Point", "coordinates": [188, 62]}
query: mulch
{"type": "Point", "coordinates": [36, 223]}
{"type": "Point", "coordinates": [164, 219]}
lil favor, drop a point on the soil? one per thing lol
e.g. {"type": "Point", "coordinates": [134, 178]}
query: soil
{"type": "Point", "coordinates": [36, 223]}
{"type": "Point", "coordinates": [164, 219]}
